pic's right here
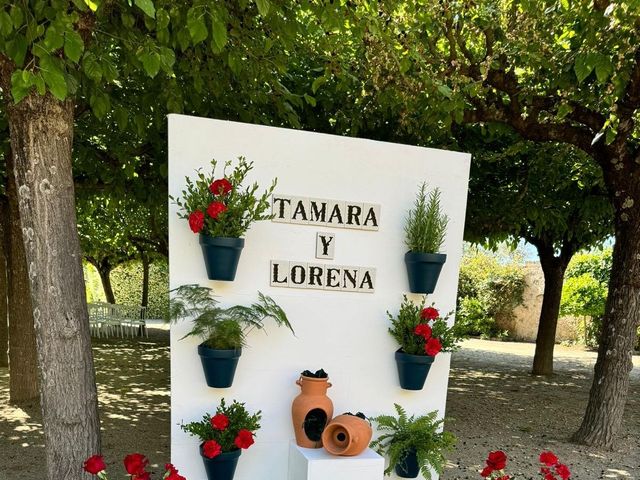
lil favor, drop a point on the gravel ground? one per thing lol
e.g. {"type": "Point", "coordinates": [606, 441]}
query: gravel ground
{"type": "Point", "coordinates": [496, 404]}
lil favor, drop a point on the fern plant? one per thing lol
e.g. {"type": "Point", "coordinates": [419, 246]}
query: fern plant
{"type": "Point", "coordinates": [222, 328]}
{"type": "Point", "coordinates": [426, 225]}
{"type": "Point", "coordinates": [403, 435]}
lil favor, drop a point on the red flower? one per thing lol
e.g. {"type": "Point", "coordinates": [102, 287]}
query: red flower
{"type": "Point", "coordinates": [94, 465]}
{"type": "Point", "coordinates": [211, 449]}
{"type": "Point", "coordinates": [486, 471]}
{"type": "Point", "coordinates": [196, 221]}
{"type": "Point", "coordinates": [173, 473]}
{"type": "Point", "coordinates": [244, 439]}
{"type": "Point", "coordinates": [135, 464]}
{"type": "Point", "coordinates": [170, 468]}
{"type": "Point", "coordinates": [432, 347]}
{"type": "Point", "coordinates": [563, 471]}
{"type": "Point", "coordinates": [220, 187]}
{"type": "Point", "coordinates": [216, 208]}
{"type": "Point", "coordinates": [142, 476]}
{"type": "Point", "coordinates": [429, 313]}
{"type": "Point", "coordinates": [548, 458]}
{"type": "Point", "coordinates": [219, 421]}
{"type": "Point", "coordinates": [497, 460]}
{"type": "Point", "coordinates": [423, 330]}
{"type": "Point", "coordinates": [504, 477]}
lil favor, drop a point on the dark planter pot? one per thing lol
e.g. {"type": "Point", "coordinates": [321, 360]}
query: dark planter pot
{"type": "Point", "coordinates": [412, 369]}
{"type": "Point", "coordinates": [408, 468]}
{"type": "Point", "coordinates": [222, 467]}
{"type": "Point", "coordinates": [219, 365]}
{"type": "Point", "coordinates": [221, 256]}
{"type": "Point", "coordinates": [423, 270]}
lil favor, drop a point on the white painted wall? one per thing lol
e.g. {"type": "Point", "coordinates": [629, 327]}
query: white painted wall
{"type": "Point", "coordinates": [344, 333]}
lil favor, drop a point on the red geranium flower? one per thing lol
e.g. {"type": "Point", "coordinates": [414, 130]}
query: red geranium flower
{"type": "Point", "coordinates": [220, 187]}
{"type": "Point", "coordinates": [196, 221]}
{"type": "Point", "coordinates": [429, 313]}
{"type": "Point", "coordinates": [486, 471]}
{"type": "Point", "coordinates": [216, 208]}
{"type": "Point", "coordinates": [423, 330]}
{"type": "Point", "coordinates": [142, 476]}
{"type": "Point", "coordinates": [135, 464]}
{"type": "Point", "coordinates": [244, 439]}
{"type": "Point", "coordinates": [563, 471]}
{"type": "Point", "coordinates": [94, 465]}
{"type": "Point", "coordinates": [432, 347]}
{"type": "Point", "coordinates": [211, 449]}
{"type": "Point", "coordinates": [548, 458]}
{"type": "Point", "coordinates": [219, 421]}
{"type": "Point", "coordinates": [173, 473]}
{"type": "Point", "coordinates": [497, 460]}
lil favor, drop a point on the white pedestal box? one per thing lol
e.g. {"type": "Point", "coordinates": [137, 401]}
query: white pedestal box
{"type": "Point", "coordinates": [318, 464]}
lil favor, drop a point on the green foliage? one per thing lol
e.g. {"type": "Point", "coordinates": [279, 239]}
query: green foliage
{"type": "Point", "coordinates": [127, 286]}
{"type": "Point", "coordinates": [423, 434]}
{"type": "Point", "coordinates": [597, 264]}
{"type": "Point", "coordinates": [243, 207]}
{"type": "Point", "coordinates": [426, 226]}
{"type": "Point", "coordinates": [403, 327]}
{"type": "Point", "coordinates": [222, 328]}
{"type": "Point", "coordinates": [239, 419]}
{"type": "Point", "coordinates": [489, 288]}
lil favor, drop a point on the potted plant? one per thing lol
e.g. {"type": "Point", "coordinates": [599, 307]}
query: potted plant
{"type": "Point", "coordinates": [425, 231]}
{"type": "Point", "coordinates": [223, 436]}
{"type": "Point", "coordinates": [223, 330]}
{"type": "Point", "coordinates": [421, 334]}
{"type": "Point", "coordinates": [135, 464]}
{"type": "Point", "coordinates": [413, 445]}
{"type": "Point", "coordinates": [221, 210]}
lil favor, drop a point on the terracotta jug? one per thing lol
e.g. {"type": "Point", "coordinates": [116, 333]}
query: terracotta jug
{"type": "Point", "coordinates": [311, 411]}
{"type": "Point", "coordinates": [347, 435]}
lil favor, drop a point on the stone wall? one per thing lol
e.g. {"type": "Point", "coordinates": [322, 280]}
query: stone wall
{"type": "Point", "coordinates": [524, 325]}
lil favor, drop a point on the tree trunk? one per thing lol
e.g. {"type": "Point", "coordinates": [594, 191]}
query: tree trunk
{"type": "Point", "coordinates": [145, 280]}
{"type": "Point", "coordinates": [603, 417]}
{"type": "Point", "coordinates": [23, 358]}
{"type": "Point", "coordinates": [41, 131]}
{"type": "Point", "coordinates": [553, 268]}
{"type": "Point", "coordinates": [4, 306]}
{"type": "Point", "coordinates": [105, 277]}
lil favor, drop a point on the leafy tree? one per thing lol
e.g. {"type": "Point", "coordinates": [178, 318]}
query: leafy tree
{"type": "Point", "coordinates": [553, 71]}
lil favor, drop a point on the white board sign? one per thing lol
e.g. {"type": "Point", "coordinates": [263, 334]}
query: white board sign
{"type": "Point", "coordinates": [339, 328]}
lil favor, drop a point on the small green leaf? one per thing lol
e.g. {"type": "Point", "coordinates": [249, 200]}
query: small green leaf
{"type": "Point", "coordinates": [53, 38]}
{"type": "Point", "coordinates": [6, 24]}
{"type": "Point", "coordinates": [263, 7]}
{"type": "Point", "coordinates": [582, 67]}
{"type": "Point", "coordinates": [100, 104]}
{"type": "Point", "coordinates": [147, 7]}
{"type": "Point", "coordinates": [167, 58]}
{"type": "Point", "coordinates": [564, 110]}
{"type": "Point", "coordinates": [162, 19]}
{"type": "Point", "coordinates": [17, 49]}
{"type": "Point", "coordinates": [17, 17]}
{"type": "Point", "coordinates": [610, 136]}
{"type": "Point", "coordinates": [604, 67]}
{"type": "Point", "coordinates": [19, 89]}
{"type": "Point", "coordinates": [39, 83]}
{"type": "Point", "coordinates": [53, 77]}
{"type": "Point", "coordinates": [121, 116]}
{"type": "Point", "coordinates": [73, 45]}
{"type": "Point", "coordinates": [219, 31]}
{"type": "Point", "coordinates": [92, 67]}
{"type": "Point", "coordinates": [196, 25]}
{"type": "Point", "coordinates": [310, 100]}
{"type": "Point", "coordinates": [92, 5]}
{"type": "Point", "coordinates": [317, 83]}
{"type": "Point", "coordinates": [128, 20]}
{"type": "Point", "coordinates": [151, 63]}
{"type": "Point", "coordinates": [445, 91]}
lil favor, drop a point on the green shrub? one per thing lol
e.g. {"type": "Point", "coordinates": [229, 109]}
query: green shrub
{"type": "Point", "coordinates": [426, 225]}
{"type": "Point", "coordinates": [490, 287]}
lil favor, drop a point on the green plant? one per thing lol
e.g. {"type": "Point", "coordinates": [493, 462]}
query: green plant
{"type": "Point", "coordinates": [426, 226]}
{"type": "Point", "coordinates": [222, 207]}
{"type": "Point", "coordinates": [222, 328]}
{"type": "Point", "coordinates": [404, 434]}
{"type": "Point", "coordinates": [420, 330]}
{"type": "Point", "coordinates": [231, 428]}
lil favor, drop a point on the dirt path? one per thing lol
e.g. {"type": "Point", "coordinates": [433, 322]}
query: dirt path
{"type": "Point", "coordinates": [495, 402]}
{"type": "Point", "coordinates": [498, 405]}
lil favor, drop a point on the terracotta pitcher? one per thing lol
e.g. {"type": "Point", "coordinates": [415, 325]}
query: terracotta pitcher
{"type": "Point", "coordinates": [311, 411]}
{"type": "Point", "coordinates": [347, 435]}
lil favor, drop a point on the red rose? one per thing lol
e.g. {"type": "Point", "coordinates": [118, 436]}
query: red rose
{"type": "Point", "coordinates": [219, 421]}
{"type": "Point", "coordinates": [94, 465]}
{"type": "Point", "coordinates": [497, 460]}
{"type": "Point", "coordinates": [423, 330]}
{"type": "Point", "coordinates": [135, 464]}
{"type": "Point", "coordinates": [196, 221]}
{"type": "Point", "coordinates": [220, 187]}
{"type": "Point", "coordinates": [216, 208]}
{"type": "Point", "coordinates": [432, 347]}
{"type": "Point", "coordinates": [244, 439]}
{"type": "Point", "coordinates": [486, 471]}
{"type": "Point", "coordinates": [548, 458]}
{"type": "Point", "coordinates": [429, 313]}
{"type": "Point", "coordinates": [211, 449]}
{"type": "Point", "coordinates": [563, 471]}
